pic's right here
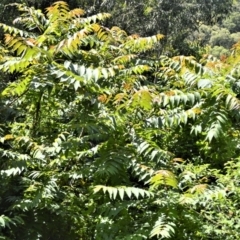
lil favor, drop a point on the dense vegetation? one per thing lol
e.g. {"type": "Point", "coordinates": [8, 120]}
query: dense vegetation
{"type": "Point", "coordinates": [188, 25]}
{"type": "Point", "coordinates": [102, 136]}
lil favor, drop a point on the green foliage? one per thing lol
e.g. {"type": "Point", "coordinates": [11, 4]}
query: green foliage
{"type": "Point", "coordinates": [121, 191]}
{"type": "Point", "coordinates": [102, 143]}
{"type": "Point", "coordinates": [162, 230]}
{"type": "Point", "coordinates": [221, 37]}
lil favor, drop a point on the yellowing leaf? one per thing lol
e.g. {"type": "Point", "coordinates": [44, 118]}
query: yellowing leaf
{"type": "Point", "coordinates": [142, 99]}
{"type": "Point", "coordinates": [198, 189]}
{"type": "Point", "coordinates": [164, 177]}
